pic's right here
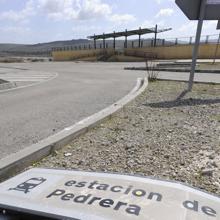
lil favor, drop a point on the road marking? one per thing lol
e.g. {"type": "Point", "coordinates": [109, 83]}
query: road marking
{"type": "Point", "coordinates": [33, 77]}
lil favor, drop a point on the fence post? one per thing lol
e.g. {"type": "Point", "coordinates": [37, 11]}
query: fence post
{"type": "Point", "coordinates": [190, 40]}
{"type": "Point", "coordinates": [176, 41]}
{"type": "Point", "coordinates": [152, 43]}
{"type": "Point", "coordinates": [207, 39]}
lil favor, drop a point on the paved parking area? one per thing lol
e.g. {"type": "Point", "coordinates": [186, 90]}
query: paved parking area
{"type": "Point", "coordinates": [65, 93]}
{"type": "Point", "coordinates": [30, 114]}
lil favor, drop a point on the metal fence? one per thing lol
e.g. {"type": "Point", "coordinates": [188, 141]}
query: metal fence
{"type": "Point", "coordinates": [41, 53]}
{"type": "Point", "coordinates": [205, 39]}
{"type": "Point", "coordinates": [120, 44]}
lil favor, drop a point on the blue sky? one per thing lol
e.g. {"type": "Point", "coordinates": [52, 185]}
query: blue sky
{"type": "Point", "coordinates": [37, 21]}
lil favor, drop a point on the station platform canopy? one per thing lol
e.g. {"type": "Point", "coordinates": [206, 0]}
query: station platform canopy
{"type": "Point", "coordinates": [127, 33]}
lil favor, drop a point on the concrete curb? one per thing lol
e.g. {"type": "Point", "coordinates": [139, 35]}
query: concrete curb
{"type": "Point", "coordinates": [173, 70]}
{"type": "Point", "coordinates": [8, 85]}
{"type": "Point", "coordinates": [18, 161]}
{"type": "Point", "coordinates": [186, 81]}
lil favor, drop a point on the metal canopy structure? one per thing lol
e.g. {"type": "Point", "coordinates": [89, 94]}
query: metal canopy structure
{"type": "Point", "coordinates": [127, 33]}
{"type": "Point", "coordinates": [198, 10]}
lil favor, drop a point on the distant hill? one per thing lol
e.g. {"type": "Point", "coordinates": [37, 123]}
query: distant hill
{"type": "Point", "coordinates": [43, 49]}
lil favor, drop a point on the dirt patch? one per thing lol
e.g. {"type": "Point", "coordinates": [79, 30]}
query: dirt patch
{"type": "Point", "coordinates": [158, 135]}
{"type": "Point", "coordinates": [11, 60]}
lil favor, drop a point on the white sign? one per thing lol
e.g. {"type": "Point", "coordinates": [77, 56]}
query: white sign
{"type": "Point", "coordinates": [87, 195]}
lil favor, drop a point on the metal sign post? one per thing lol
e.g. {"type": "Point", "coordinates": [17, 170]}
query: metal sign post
{"type": "Point", "coordinates": [216, 49]}
{"type": "Point", "coordinates": [218, 42]}
{"type": "Point", "coordinates": [197, 41]}
{"type": "Point", "coordinates": [199, 10]}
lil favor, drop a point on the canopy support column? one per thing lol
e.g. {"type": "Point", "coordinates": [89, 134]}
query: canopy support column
{"type": "Point", "coordinates": [155, 37]}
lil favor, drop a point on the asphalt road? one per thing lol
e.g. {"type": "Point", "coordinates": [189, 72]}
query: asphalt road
{"type": "Point", "coordinates": [33, 113]}
{"type": "Point", "coordinates": [63, 94]}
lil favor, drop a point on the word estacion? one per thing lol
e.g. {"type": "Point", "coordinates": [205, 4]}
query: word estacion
{"type": "Point", "coordinates": [90, 199]}
{"type": "Point", "coordinates": [128, 190]}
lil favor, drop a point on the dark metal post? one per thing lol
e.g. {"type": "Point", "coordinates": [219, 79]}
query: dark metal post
{"type": "Point", "coordinates": [139, 44]}
{"type": "Point", "coordinates": [103, 41]}
{"type": "Point", "coordinates": [176, 41]}
{"type": "Point", "coordinates": [126, 39]}
{"type": "Point", "coordinates": [207, 39]}
{"type": "Point", "coordinates": [196, 46]}
{"type": "Point", "coordinates": [132, 44]}
{"type": "Point", "coordinates": [94, 43]}
{"type": "Point", "coordinates": [155, 37]}
{"type": "Point", "coordinates": [114, 41]}
{"type": "Point", "coordinates": [190, 40]}
{"type": "Point", "coordinates": [152, 42]}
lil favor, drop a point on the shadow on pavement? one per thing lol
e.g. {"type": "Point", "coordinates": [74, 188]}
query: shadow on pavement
{"type": "Point", "coordinates": [179, 101]}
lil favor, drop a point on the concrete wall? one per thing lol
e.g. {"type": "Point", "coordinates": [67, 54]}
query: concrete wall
{"type": "Point", "coordinates": [206, 51]}
{"type": "Point", "coordinates": [77, 54]}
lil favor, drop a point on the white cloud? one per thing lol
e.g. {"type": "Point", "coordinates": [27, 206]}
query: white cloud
{"type": "Point", "coordinates": [19, 16]}
{"type": "Point", "coordinates": [152, 23]}
{"type": "Point", "coordinates": [164, 1]}
{"type": "Point", "coordinates": [60, 10]}
{"type": "Point", "coordinates": [81, 10]}
{"type": "Point", "coordinates": [122, 19]}
{"type": "Point", "coordinates": [74, 9]}
{"type": "Point", "coordinates": [148, 24]}
{"type": "Point", "coordinates": [210, 25]}
{"type": "Point", "coordinates": [15, 30]}
{"type": "Point", "coordinates": [191, 26]}
{"type": "Point", "coordinates": [93, 9]}
{"type": "Point", "coordinates": [165, 12]}
{"type": "Point", "coordinates": [186, 28]}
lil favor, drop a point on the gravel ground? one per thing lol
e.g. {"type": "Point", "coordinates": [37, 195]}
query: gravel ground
{"type": "Point", "coordinates": [156, 135]}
